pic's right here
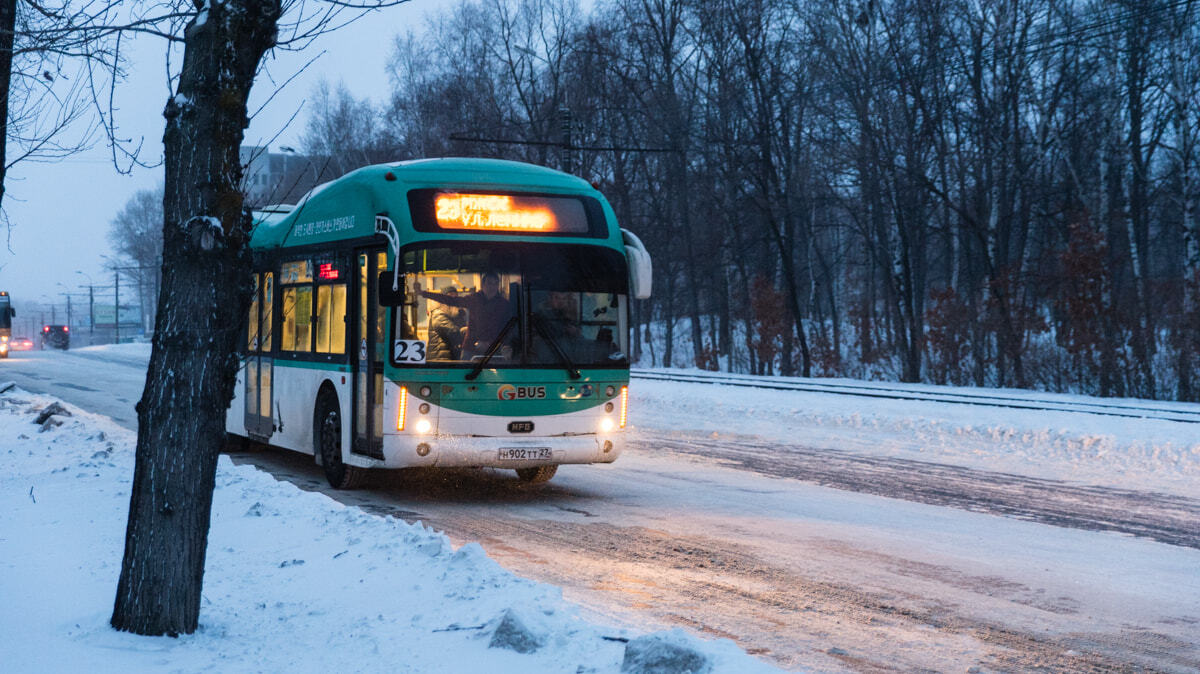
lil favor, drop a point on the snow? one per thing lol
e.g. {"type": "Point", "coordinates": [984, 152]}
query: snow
{"type": "Point", "coordinates": [294, 580]}
{"type": "Point", "coordinates": [1144, 454]}
{"type": "Point", "coordinates": [300, 581]}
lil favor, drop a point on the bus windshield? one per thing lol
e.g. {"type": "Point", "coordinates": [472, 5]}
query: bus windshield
{"type": "Point", "coordinates": [515, 305]}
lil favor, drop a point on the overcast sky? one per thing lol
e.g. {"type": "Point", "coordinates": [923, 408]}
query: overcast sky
{"type": "Point", "coordinates": [60, 212]}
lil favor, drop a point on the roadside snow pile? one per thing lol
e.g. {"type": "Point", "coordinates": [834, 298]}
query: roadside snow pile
{"type": "Point", "coordinates": [1152, 455]}
{"type": "Point", "coordinates": [294, 580]}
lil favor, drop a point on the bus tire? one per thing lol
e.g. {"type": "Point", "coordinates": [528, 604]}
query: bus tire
{"type": "Point", "coordinates": [537, 474]}
{"type": "Point", "coordinates": [327, 433]}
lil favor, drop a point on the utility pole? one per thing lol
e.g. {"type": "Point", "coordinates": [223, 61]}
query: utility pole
{"type": "Point", "coordinates": [91, 306]}
{"type": "Point", "coordinates": [117, 273]}
{"type": "Point", "coordinates": [117, 301]}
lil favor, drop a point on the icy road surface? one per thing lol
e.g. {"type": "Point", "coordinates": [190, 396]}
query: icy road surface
{"type": "Point", "coordinates": [821, 535]}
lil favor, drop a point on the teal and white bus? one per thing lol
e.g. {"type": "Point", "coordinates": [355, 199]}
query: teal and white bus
{"type": "Point", "coordinates": [441, 312]}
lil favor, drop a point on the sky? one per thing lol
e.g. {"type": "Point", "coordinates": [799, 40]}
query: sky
{"type": "Point", "coordinates": [60, 212]}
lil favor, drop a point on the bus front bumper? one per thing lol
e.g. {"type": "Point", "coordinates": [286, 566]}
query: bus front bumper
{"type": "Point", "coordinates": [401, 451]}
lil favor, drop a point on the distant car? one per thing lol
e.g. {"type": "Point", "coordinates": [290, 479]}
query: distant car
{"type": "Point", "coordinates": [21, 344]}
{"type": "Point", "coordinates": [58, 336]}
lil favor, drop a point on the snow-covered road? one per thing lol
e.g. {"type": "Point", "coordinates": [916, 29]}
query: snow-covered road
{"type": "Point", "coordinates": [828, 538]}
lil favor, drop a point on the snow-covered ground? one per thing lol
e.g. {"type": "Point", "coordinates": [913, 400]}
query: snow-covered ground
{"type": "Point", "coordinates": [298, 581]}
{"type": "Point", "coordinates": [294, 580]}
{"type": "Point", "coordinates": [1144, 454]}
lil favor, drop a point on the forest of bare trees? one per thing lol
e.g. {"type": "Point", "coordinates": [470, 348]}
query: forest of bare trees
{"type": "Point", "coordinates": [990, 193]}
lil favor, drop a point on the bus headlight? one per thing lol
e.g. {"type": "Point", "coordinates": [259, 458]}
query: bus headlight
{"type": "Point", "coordinates": [423, 426]}
{"type": "Point", "coordinates": [606, 425]}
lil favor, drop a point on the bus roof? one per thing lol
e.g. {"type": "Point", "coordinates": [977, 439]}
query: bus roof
{"type": "Point", "coordinates": [345, 208]}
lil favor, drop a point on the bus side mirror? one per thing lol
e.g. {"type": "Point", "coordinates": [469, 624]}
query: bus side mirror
{"type": "Point", "coordinates": [387, 296]}
{"type": "Point", "coordinates": [641, 271]}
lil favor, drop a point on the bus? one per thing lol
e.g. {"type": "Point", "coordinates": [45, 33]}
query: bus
{"type": "Point", "coordinates": [441, 313]}
{"type": "Point", "coordinates": [6, 316]}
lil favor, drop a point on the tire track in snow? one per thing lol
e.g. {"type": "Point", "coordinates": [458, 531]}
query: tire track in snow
{"type": "Point", "coordinates": [1174, 520]}
{"type": "Point", "coordinates": [894, 614]}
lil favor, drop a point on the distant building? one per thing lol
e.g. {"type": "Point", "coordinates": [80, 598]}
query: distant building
{"type": "Point", "coordinates": [280, 177]}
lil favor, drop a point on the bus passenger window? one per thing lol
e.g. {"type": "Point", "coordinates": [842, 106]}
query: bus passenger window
{"type": "Point", "coordinates": [252, 321]}
{"type": "Point", "coordinates": [267, 316]}
{"type": "Point", "coordinates": [331, 319]}
{"type": "Point", "coordinates": [297, 319]}
{"type": "Point", "coordinates": [380, 319]}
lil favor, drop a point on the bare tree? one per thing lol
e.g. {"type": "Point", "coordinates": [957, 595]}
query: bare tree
{"type": "Point", "coordinates": [193, 364]}
{"type": "Point", "coordinates": [949, 166]}
{"type": "Point", "coordinates": [51, 55]}
{"type": "Point", "coordinates": [136, 234]}
{"type": "Point", "coordinates": [205, 294]}
{"type": "Point", "coordinates": [343, 133]}
{"type": "Point", "coordinates": [1181, 88]}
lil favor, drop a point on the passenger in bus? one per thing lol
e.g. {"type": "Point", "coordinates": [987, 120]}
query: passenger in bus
{"type": "Point", "coordinates": [446, 329]}
{"type": "Point", "coordinates": [487, 312]}
{"type": "Point", "coordinates": [560, 315]}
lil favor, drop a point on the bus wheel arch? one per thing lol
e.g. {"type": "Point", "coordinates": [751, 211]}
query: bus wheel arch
{"type": "Point", "coordinates": [327, 440]}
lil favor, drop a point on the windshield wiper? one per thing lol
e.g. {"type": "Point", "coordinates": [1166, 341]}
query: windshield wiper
{"type": "Point", "coordinates": [540, 326]}
{"type": "Point", "coordinates": [495, 346]}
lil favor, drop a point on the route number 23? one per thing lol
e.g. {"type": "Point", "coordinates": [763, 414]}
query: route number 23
{"type": "Point", "coordinates": [408, 351]}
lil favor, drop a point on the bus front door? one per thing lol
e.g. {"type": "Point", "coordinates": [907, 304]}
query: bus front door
{"type": "Point", "coordinates": [259, 362]}
{"type": "Point", "coordinates": [368, 356]}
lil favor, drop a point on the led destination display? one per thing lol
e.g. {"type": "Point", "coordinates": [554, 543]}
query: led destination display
{"type": "Point", "coordinates": [509, 213]}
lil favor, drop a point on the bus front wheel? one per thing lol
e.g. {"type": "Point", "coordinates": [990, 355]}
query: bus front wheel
{"type": "Point", "coordinates": [537, 475]}
{"type": "Point", "coordinates": [328, 422]}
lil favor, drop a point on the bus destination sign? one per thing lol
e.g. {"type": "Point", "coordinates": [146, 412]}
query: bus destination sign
{"type": "Point", "coordinates": [509, 213]}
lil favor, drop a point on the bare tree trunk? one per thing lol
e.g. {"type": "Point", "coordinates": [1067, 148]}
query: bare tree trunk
{"type": "Point", "coordinates": [1190, 308]}
{"type": "Point", "coordinates": [1110, 384]}
{"type": "Point", "coordinates": [8, 19]}
{"type": "Point", "coordinates": [669, 319]}
{"type": "Point", "coordinates": [181, 416]}
{"type": "Point", "coordinates": [1136, 224]}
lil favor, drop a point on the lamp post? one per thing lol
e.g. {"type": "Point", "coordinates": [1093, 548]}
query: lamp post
{"type": "Point", "coordinates": [117, 289]}
{"type": "Point", "coordinates": [46, 300]}
{"type": "Point", "coordinates": [91, 306]}
{"type": "Point", "coordinates": [67, 294]}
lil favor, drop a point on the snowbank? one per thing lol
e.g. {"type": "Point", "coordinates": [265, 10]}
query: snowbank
{"type": "Point", "coordinates": [294, 580]}
{"type": "Point", "coordinates": [1146, 454]}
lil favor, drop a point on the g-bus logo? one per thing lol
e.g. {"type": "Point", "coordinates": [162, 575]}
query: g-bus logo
{"type": "Point", "coordinates": [510, 392]}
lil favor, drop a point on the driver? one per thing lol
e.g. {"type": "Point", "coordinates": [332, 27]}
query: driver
{"type": "Point", "coordinates": [487, 312]}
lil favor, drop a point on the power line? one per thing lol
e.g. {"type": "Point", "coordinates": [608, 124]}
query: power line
{"type": "Point", "coordinates": [559, 144]}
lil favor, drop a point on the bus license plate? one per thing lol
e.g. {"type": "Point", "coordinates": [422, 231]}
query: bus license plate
{"type": "Point", "coordinates": [524, 453]}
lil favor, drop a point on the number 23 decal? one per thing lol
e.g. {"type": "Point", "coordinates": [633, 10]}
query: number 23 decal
{"type": "Point", "coordinates": [408, 351]}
